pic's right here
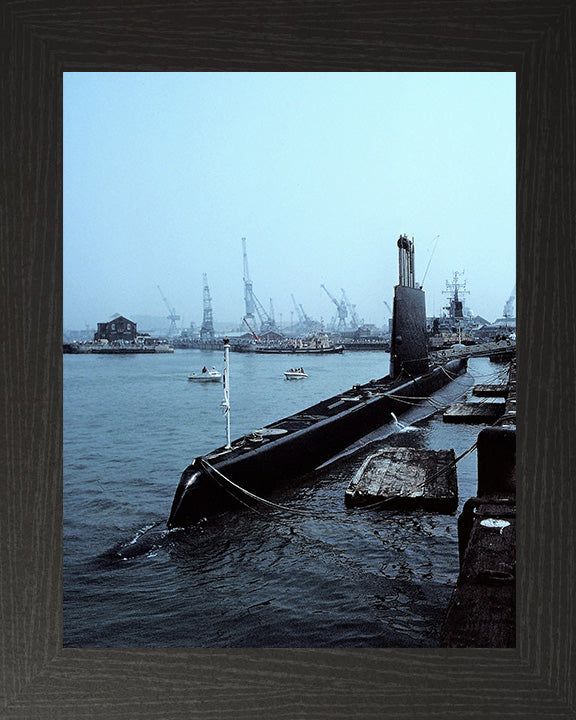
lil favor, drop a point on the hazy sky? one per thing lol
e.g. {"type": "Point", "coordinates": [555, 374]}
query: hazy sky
{"type": "Point", "coordinates": [164, 173]}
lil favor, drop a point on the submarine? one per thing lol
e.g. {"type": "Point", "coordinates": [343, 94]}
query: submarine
{"type": "Point", "coordinates": [284, 450]}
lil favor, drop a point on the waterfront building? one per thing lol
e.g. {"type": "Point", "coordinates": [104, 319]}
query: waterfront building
{"type": "Point", "coordinates": [119, 328]}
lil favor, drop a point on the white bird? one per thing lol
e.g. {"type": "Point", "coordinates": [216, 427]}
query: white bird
{"type": "Point", "coordinates": [400, 425]}
{"type": "Point", "coordinates": [397, 422]}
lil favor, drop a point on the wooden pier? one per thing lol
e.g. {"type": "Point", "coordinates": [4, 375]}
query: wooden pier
{"type": "Point", "coordinates": [486, 411]}
{"type": "Point", "coordinates": [500, 390]}
{"type": "Point", "coordinates": [404, 478]}
{"type": "Point", "coordinates": [481, 412]}
{"type": "Point", "coordinates": [509, 416]}
{"type": "Point", "coordinates": [482, 610]}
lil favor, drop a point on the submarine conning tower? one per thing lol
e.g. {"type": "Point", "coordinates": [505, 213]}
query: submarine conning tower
{"type": "Point", "coordinates": [409, 345]}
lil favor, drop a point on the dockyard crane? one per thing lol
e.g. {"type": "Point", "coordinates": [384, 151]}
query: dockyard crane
{"type": "Point", "coordinates": [251, 302]}
{"type": "Point", "coordinates": [173, 317]}
{"type": "Point", "coordinates": [355, 320]}
{"type": "Point", "coordinates": [256, 337]}
{"type": "Point", "coordinates": [390, 316]}
{"type": "Point", "coordinates": [299, 311]}
{"type": "Point", "coordinates": [266, 322]}
{"type": "Point", "coordinates": [341, 308]}
{"type": "Point", "coordinates": [207, 329]}
{"type": "Point", "coordinates": [309, 324]}
{"type": "Point", "coordinates": [271, 313]}
{"type": "Point", "coordinates": [248, 292]}
{"type": "Point", "coordinates": [509, 309]}
{"type": "Point", "coordinates": [305, 322]}
{"type": "Point", "coordinates": [272, 317]}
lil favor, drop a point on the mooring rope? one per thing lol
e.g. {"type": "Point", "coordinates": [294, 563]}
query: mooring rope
{"type": "Point", "coordinates": [406, 400]}
{"type": "Point", "coordinates": [449, 375]}
{"type": "Point", "coordinates": [218, 476]}
{"type": "Point", "coordinates": [211, 469]}
{"type": "Point", "coordinates": [322, 515]}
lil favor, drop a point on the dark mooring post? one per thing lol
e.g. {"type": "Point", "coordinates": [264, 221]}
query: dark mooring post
{"type": "Point", "coordinates": [409, 346]}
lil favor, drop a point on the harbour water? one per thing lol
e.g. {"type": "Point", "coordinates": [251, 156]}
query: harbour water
{"type": "Point", "coordinates": [257, 577]}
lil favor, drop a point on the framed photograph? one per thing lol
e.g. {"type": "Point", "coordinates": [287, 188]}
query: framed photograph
{"type": "Point", "coordinates": [137, 141]}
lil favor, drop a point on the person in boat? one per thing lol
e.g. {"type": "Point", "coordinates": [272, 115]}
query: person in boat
{"type": "Point", "coordinates": [204, 369]}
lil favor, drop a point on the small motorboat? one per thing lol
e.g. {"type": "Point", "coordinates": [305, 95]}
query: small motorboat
{"type": "Point", "coordinates": [295, 374]}
{"type": "Point", "coordinates": [206, 375]}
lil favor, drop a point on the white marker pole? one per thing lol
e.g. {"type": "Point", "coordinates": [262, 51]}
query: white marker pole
{"type": "Point", "coordinates": [226, 383]}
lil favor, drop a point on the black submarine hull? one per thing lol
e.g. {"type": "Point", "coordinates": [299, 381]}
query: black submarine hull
{"type": "Point", "coordinates": [295, 445]}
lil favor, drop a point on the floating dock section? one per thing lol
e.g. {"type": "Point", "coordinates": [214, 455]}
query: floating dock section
{"type": "Point", "coordinates": [487, 410]}
{"type": "Point", "coordinates": [500, 390]}
{"type": "Point", "coordinates": [406, 479]}
{"type": "Point", "coordinates": [482, 412]}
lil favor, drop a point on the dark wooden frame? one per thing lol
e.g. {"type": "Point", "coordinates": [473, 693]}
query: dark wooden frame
{"type": "Point", "coordinates": [40, 40]}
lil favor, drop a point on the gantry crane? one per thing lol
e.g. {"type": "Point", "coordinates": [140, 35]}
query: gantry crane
{"type": "Point", "coordinates": [341, 308]}
{"type": "Point", "coordinates": [173, 317]}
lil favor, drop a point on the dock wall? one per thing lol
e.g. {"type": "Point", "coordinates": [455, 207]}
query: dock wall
{"type": "Point", "coordinates": [482, 610]}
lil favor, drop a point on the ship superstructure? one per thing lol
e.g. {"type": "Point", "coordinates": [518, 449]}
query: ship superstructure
{"type": "Point", "coordinates": [455, 290]}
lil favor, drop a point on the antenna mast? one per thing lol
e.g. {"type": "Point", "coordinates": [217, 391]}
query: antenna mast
{"type": "Point", "coordinates": [456, 305]}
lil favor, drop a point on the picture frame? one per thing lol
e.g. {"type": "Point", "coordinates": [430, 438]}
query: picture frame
{"type": "Point", "coordinates": [40, 679]}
